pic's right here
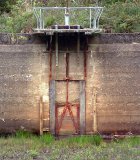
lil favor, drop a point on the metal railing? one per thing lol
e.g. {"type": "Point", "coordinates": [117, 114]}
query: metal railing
{"type": "Point", "coordinates": [87, 17]}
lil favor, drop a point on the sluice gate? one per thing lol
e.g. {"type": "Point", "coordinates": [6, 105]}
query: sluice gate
{"type": "Point", "coordinates": [67, 116]}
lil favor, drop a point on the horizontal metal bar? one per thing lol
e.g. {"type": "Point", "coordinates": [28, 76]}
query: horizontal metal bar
{"type": "Point", "coordinates": [70, 80]}
{"type": "Point", "coordinates": [67, 30]}
{"type": "Point", "coordinates": [63, 8]}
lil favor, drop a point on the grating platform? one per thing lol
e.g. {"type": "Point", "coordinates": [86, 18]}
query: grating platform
{"type": "Point", "coordinates": [68, 16]}
{"type": "Point", "coordinates": [66, 29]}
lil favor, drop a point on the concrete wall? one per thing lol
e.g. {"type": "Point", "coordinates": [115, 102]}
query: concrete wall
{"type": "Point", "coordinates": [21, 82]}
{"type": "Point", "coordinates": [112, 84]}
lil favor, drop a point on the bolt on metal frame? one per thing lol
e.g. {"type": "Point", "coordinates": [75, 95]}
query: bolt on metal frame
{"type": "Point", "coordinates": [94, 15]}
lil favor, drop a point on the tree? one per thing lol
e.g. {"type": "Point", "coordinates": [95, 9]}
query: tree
{"type": "Point", "coordinates": [6, 5]}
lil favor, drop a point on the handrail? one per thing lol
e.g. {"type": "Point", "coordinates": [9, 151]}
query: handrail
{"type": "Point", "coordinates": [94, 15]}
{"type": "Point", "coordinates": [50, 8]}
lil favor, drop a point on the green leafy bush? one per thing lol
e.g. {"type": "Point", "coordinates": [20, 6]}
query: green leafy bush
{"type": "Point", "coordinates": [6, 5]}
{"type": "Point", "coordinates": [122, 17]}
{"type": "Point", "coordinates": [17, 20]}
{"type": "Point", "coordinates": [118, 15]}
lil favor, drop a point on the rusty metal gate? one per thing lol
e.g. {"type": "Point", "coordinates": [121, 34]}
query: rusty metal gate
{"type": "Point", "coordinates": [67, 114]}
{"type": "Point", "coordinates": [76, 111]}
{"type": "Point", "coordinates": [65, 110]}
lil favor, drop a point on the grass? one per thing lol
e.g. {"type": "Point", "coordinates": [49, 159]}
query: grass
{"type": "Point", "coordinates": [83, 140]}
{"type": "Point", "coordinates": [25, 146]}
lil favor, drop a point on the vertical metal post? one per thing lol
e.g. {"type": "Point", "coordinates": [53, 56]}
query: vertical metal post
{"type": "Point", "coordinates": [90, 17]}
{"type": "Point", "coordinates": [97, 17]}
{"type": "Point", "coordinates": [94, 114]}
{"type": "Point", "coordinates": [78, 118]}
{"type": "Point", "coordinates": [56, 121]}
{"type": "Point", "coordinates": [94, 23]}
{"type": "Point", "coordinates": [67, 65]}
{"type": "Point", "coordinates": [67, 79]}
{"type": "Point", "coordinates": [41, 116]}
{"type": "Point", "coordinates": [67, 18]}
{"type": "Point", "coordinates": [52, 95]}
{"type": "Point", "coordinates": [85, 57]}
{"type": "Point", "coordinates": [94, 97]}
{"type": "Point", "coordinates": [50, 58]}
{"type": "Point", "coordinates": [56, 48]}
{"type": "Point", "coordinates": [43, 19]}
{"type": "Point", "coordinates": [78, 43]}
{"type": "Point", "coordinates": [40, 19]}
{"type": "Point", "coordinates": [82, 108]}
{"type": "Point", "coordinates": [78, 48]}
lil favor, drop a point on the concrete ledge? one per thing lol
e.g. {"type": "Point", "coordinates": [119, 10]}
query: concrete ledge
{"type": "Point", "coordinates": [96, 38]}
{"type": "Point", "coordinates": [115, 38]}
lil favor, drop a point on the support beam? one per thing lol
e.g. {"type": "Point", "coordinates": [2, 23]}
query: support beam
{"type": "Point", "coordinates": [85, 58]}
{"type": "Point", "coordinates": [50, 59]}
{"type": "Point", "coordinates": [94, 115]}
{"type": "Point", "coordinates": [78, 43]}
{"type": "Point", "coordinates": [52, 106]}
{"type": "Point", "coordinates": [94, 97]}
{"type": "Point", "coordinates": [41, 116]}
{"type": "Point", "coordinates": [56, 48]}
{"type": "Point", "coordinates": [82, 108]}
{"type": "Point", "coordinates": [67, 65]}
{"type": "Point", "coordinates": [78, 48]}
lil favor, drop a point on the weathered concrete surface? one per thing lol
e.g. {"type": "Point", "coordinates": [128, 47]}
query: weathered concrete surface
{"type": "Point", "coordinates": [115, 82]}
{"type": "Point", "coordinates": [112, 83]}
{"type": "Point", "coordinates": [21, 85]}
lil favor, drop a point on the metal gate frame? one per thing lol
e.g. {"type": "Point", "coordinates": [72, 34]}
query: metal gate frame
{"type": "Point", "coordinates": [52, 95]}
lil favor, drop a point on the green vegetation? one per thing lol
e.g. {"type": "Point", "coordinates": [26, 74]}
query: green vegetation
{"type": "Point", "coordinates": [5, 5]}
{"type": "Point", "coordinates": [122, 17]}
{"type": "Point", "coordinates": [17, 19]}
{"type": "Point", "coordinates": [26, 146]}
{"type": "Point", "coordinates": [83, 140]}
{"type": "Point", "coordinates": [119, 15]}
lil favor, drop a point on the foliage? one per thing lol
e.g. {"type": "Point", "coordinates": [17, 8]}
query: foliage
{"type": "Point", "coordinates": [28, 146]}
{"type": "Point", "coordinates": [131, 141]}
{"type": "Point", "coordinates": [118, 15]}
{"type": "Point", "coordinates": [82, 140]}
{"type": "Point", "coordinates": [47, 138]}
{"type": "Point", "coordinates": [33, 153]}
{"type": "Point", "coordinates": [122, 17]}
{"type": "Point", "coordinates": [17, 20]}
{"type": "Point", "coordinates": [110, 2]}
{"type": "Point", "coordinates": [23, 134]}
{"type": "Point", "coordinates": [5, 5]}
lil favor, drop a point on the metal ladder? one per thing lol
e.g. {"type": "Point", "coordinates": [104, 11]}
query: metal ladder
{"type": "Point", "coordinates": [41, 118]}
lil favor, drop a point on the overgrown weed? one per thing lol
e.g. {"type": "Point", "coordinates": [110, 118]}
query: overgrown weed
{"type": "Point", "coordinates": [81, 141]}
{"type": "Point", "coordinates": [130, 141]}
{"type": "Point", "coordinates": [23, 134]}
{"type": "Point", "coordinates": [47, 138]}
{"type": "Point", "coordinates": [26, 145]}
